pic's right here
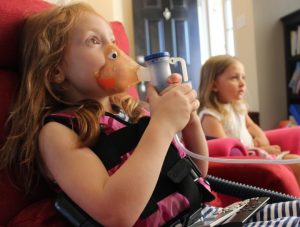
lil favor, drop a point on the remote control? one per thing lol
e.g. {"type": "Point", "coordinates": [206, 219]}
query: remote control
{"type": "Point", "coordinates": [221, 215]}
{"type": "Point", "coordinates": [247, 211]}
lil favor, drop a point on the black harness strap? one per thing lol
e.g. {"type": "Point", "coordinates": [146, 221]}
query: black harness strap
{"type": "Point", "coordinates": [110, 148]}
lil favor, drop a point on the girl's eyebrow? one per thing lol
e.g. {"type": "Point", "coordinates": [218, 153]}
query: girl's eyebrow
{"type": "Point", "coordinates": [94, 29]}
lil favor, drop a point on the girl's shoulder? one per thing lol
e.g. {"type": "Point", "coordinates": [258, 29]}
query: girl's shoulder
{"type": "Point", "coordinates": [210, 111]}
{"type": "Point", "coordinates": [64, 118]}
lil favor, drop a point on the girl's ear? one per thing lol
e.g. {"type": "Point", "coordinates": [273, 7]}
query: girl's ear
{"type": "Point", "coordinates": [214, 87]}
{"type": "Point", "coordinates": [58, 77]}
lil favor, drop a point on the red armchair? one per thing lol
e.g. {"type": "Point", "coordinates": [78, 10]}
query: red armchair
{"type": "Point", "coordinates": [16, 208]}
{"type": "Point", "coordinates": [286, 138]}
{"type": "Point", "coordinates": [273, 177]}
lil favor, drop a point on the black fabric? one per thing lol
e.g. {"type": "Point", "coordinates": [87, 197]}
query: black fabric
{"type": "Point", "coordinates": [66, 121]}
{"type": "Point", "coordinates": [175, 174]}
{"type": "Point", "coordinates": [179, 171]}
{"type": "Point", "coordinates": [110, 148]}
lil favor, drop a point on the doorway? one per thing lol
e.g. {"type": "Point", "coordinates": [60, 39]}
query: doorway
{"type": "Point", "coordinates": [172, 26]}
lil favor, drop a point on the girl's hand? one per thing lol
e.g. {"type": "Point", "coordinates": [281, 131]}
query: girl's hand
{"type": "Point", "coordinates": [173, 106]}
{"type": "Point", "coordinates": [177, 79]}
{"type": "Point", "coordinates": [272, 149]}
{"type": "Point", "coordinates": [173, 80]}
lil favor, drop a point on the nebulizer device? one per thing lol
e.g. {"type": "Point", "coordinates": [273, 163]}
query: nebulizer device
{"type": "Point", "coordinates": [158, 69]}
{"type": "Point", "coordinates": [156, 72]}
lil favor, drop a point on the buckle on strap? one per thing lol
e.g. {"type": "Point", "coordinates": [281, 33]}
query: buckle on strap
{"type": "Point", "coordinates": [202, 183]}
{"type": "Point", "coordinates": [194, 175]}
{"type": "Point", "coordinates": [182, 168]}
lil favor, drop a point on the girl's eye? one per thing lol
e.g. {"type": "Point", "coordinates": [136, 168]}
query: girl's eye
{"type": "Point", "coordinates": [113, 55]}
{"type": "Point", "coordinates": [94, 41]}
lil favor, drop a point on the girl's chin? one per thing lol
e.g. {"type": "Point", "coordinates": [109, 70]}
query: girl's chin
{"type": "Point", "coordinates": [240, 96]}
{"type": "Point", "coordinates": [236, 99]}
{"type": "Point", "coordinates": [231, 100]}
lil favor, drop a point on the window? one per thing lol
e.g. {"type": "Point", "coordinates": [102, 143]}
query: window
{"type": "Point", "coordinates": [216, 28]}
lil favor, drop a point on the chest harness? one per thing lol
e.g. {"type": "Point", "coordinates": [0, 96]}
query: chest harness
{"type": "Point", "coordinates": [177, 174]}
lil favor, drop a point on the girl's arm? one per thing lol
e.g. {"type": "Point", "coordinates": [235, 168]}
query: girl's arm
{"type": "Point", "coordinates": [259, 137]}
{"type": "Point", "coordinates": [209, 126]}
{"type": "Point", "coordinates": [195, 141]}
{"type": "Point", "coordinates": [193, 136]}
{"type": "Point", "coordinates": [116, 200]}
{"type": "Point", "coordinates": [212, 127]}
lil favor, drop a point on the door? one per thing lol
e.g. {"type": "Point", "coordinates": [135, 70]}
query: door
{"type": "Point", "coordinates": [168, 25]}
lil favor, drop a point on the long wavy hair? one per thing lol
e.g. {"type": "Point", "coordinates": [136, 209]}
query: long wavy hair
{"type": "Point", "coordinates": [210, 71]}
{"type": "Point", "coordinates": [44, 41]}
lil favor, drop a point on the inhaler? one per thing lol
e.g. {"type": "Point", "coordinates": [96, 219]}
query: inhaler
{"type": "Point", "coordinates": [157, 71]}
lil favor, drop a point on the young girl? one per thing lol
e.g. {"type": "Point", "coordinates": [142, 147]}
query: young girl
{"type": "Point", "coordinates": [55, 132]}
{"type": "Point", "coordinates": [223, 111]}
{"type": "Point", "coordinates": [73, 126]}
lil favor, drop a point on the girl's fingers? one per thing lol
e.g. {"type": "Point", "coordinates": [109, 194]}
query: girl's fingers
{"type": "Point", "coordinates": [191, 95]}
{"type": "Point", "coordinates": [151, 92]}
{"type": "Point", "coordinates": [195, 105]}
{"type": "Point", "coordinates": [175, 78]}
{"type": "Point", "coordinates": [171, 86]}
{"type": "Point", "coordinates": [185, 90]}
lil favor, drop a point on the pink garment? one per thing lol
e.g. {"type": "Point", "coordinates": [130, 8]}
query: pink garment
{"type": "Point", "coordinates": [169, 207]}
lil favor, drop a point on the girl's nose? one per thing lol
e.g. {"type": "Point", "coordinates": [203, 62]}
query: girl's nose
{"type": "Point", "coordinates": [242, 82]}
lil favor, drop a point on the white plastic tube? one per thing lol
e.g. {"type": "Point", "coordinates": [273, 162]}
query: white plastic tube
{"type": "Point", "coordinates": [235, 161]}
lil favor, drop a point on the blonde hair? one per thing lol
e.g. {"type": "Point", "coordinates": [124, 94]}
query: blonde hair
{"type": "Point", "coordinates": [210, 71]}
{"type": "Point", "coordinates": [44, 41]}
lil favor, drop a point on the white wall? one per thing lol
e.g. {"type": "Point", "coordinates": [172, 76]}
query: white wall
{"type": "Point", "coordinates": [106, 8]}
{"type": "Point", "coordinates": [270, 58]}
{"type": "Point", "coordinates": [259, 44]}
{"type": "Point", "coordinates": [245, 47]}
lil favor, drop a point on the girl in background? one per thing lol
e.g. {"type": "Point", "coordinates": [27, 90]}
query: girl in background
{"type": "Point", "coordinates": [223, 111]}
